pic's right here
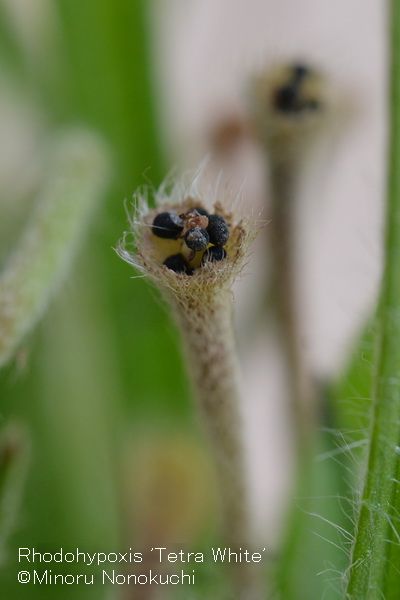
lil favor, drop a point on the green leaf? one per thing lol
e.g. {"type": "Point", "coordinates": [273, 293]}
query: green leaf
{"type": "Point", "coordinates": [372, 572]}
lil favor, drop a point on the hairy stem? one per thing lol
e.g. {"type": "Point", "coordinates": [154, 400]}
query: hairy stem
{"type": "Point", "coordinates": [209, 345]}
{"type": "Point", "coordinates": [76, 178]}
{"type": "Point", "coordinates": [210, 353]}
{"type": "Point", "coordinates": [377, 526]}
{"type": "Point", "coordinates": [203, 303]}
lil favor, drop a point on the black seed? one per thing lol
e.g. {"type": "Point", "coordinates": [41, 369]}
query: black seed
{"type": "Point", "coordinates": [213, 254]}
{"type": "Point", "coordinates": [197, 239]}
{"type": "Point", "coordinates": [201, 211]}
{"type": "Point", "coordinates": [287, 99]}
{"type": "Point", "coordinates": [177, 263]}
{"type": "Point", "coordinates": [300, 71]}
{"type": "Point", "coordinates": [167, 225]}
{"type": "Point", "coordinates": [217, 230]}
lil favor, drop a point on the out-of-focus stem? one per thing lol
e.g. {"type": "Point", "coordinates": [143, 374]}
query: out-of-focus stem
{"type": "Point", "coordinates": [291, 106]}
{"type": "Point", "coordinates": [77, 172]}
{"type": "Point", "coordinates": [284, 296]}
{"type": "Point", "coordinates": [290, 112]}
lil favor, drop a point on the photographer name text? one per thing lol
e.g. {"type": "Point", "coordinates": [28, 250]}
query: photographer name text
{"type": "Point", "coordinates": [110, 568]}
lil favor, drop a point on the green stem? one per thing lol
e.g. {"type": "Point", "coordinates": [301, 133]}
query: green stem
{"type": "Point", "coordinates": [372, 554]}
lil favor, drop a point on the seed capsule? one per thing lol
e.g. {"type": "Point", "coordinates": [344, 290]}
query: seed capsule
{"type": "Point", "coordinates": [177, 263]}
{"type": "Point", "coordinates": [217, 230]}
{"type": "Point", "coordinates": [197, 239]}
{"type": "Point", "coordinates": [167, 225]}
{"type": "Point", "coordinates": [213, 254]}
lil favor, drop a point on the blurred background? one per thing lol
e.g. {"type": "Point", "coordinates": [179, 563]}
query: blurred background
{"type": "Point", "coordinates": [98, 392]}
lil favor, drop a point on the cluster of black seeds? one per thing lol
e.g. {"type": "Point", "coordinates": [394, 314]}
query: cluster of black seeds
{"type": "Point", "coordinates": [288, 98]}
{"type": "Point", "coordinates": [201, 232]}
